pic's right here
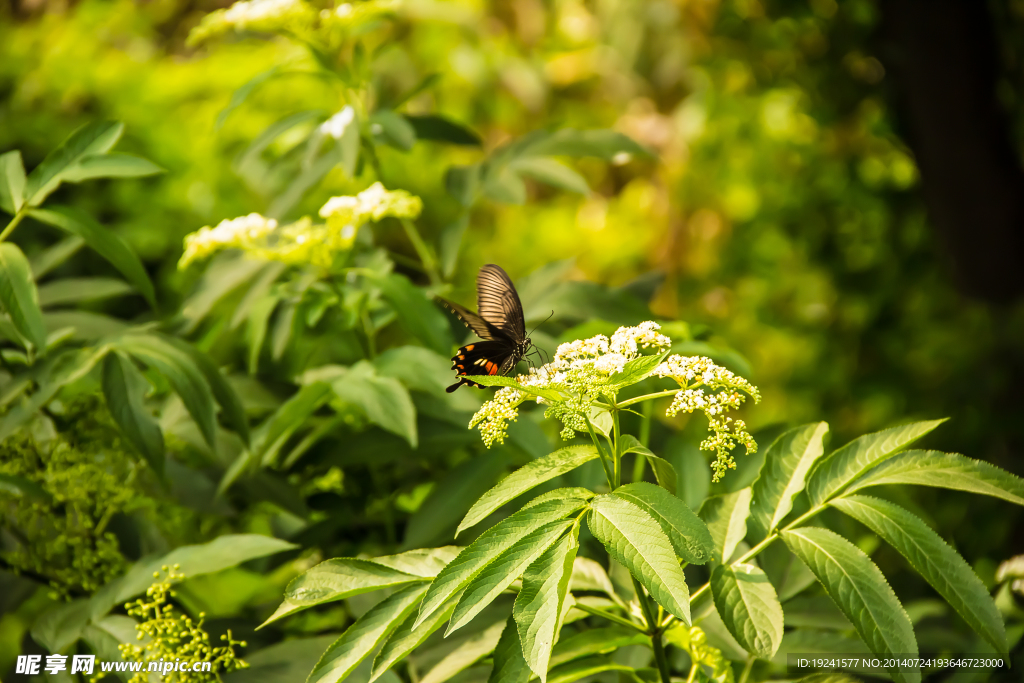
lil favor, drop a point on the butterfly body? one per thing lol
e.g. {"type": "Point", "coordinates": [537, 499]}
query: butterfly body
{"type": "Point", "coordinates": [500, 324]}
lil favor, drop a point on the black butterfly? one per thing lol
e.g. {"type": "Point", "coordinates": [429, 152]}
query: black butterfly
{"type": "Point", "coordinates": [500, 323]}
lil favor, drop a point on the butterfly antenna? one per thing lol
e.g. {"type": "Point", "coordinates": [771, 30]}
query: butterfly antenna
{"type": "Point", "coordinates": [540, 323]}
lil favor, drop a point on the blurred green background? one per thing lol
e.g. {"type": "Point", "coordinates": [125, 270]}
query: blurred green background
{"type": "Point", "coordinates": [837, 192]}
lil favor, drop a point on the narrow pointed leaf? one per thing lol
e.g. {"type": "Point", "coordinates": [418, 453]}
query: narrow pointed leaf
{"type": "Point", "coordinates": [635, 540]}
{"type": "Point", "coordinates": [19, 297]}
{"type": "Point", "coordinates": [749, 607]}
{"type": "Point", "coordinates": [384, 400]}
{"type": "Point", "coordinates": [585, 668]}
{"type": "Point", "coordinates": [104, 242]}
{"type": "Point", "coordinates": [112, 165]}
{"type": "Point", "coordinates": [945, 470]}
{"type": "Point", "coordinates": [687, 532]}
{"type": "Point", "coordinates": [363, 636]}
{"type": "Point", "coordinates": [934, 559]}
{"type": "Point", "coordinates": [12, 182]}
{"type": "Point", "coordinates": [509, 664]}
{"type": "Point", "coordinates": [465, 655]}
{"type": "Point", "coordinates": [525, 478]}
{"type": "Point", "coordinates": [92, 138]}
{"type": "Point", "coordinates": [664, 472]}
{"type": "Point", "coordinates": [860, 590]}
{"type": "Point", "coordinates": [596, 641]}
{"type": "Point", "coordinates": [500, 573]}
{"type": "Point", "coordinates": [492, 543]}
{"type": "Point", "coordinates": [125, 388]}
{"type": "Point", "coordinates": [845, 464]}
{"type": "Point", "coordinates": [538, 607]}
{"type": "Point", "coordinates": [726, 517]}
{"type": "Point", "coordinates": [787, 463]}
{"type": "Point", "coordinates": [405, 639]}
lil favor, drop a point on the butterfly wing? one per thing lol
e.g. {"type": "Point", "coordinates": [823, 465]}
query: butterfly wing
{"type": "Point", "coordinates": [482, 358]}
{"type": "Point", "coordinates": [480, 327]}
{"type": "Point", "coordinates": [498, 302]}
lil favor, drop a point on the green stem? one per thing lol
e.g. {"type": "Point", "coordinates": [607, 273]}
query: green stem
{"type": "Point", "coordinates": [693, 673]}
{"type": "Point", "coordinates": [608, 615]}
{"type": "Point", "coordinates": [600, 452]}
{"type": "Point", "coordinates": [616, 458]}
{"type": "Point", "coordinates": [371, 346]}
{"type": "Point", "coordinates": [645, 437]}
{"type": "Point", "coordinates": [746, 669]}
{"type": "Point", "coordinates": [12, 225]}
{"type": "Point", "coordinates": [648, 397]}
{"type": "Point", "coordinates": [654, 630]}
{"type": "Point", "coordinates": [422, 250]}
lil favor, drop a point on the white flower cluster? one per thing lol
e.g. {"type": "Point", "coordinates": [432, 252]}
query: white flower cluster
{"type": "Point", "coordinates": [264, 16]}
{"type": "Point", "coordinates": [1012, 570]}
{"type": "Point", "coordinates": [245, 232]}
{"type": "Point", "coordinates": [373, 203]}
{"type": "Point", "coordinates": [714, 391]}
{"type": "Point", "coordinates": [580, 372]}
{"type": "Point", "coordinates": [336, 125]}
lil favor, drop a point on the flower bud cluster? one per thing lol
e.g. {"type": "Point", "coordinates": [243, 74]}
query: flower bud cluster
{"type": "Point", "coordinates": [259, 16]}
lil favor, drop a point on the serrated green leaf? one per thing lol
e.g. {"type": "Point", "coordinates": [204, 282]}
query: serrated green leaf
{"type": "Point", "coordinates": [934, 559]}
{"type": "Point", "coordinates": [181, 372]}
{"type": "Point", "coordinates": [19, 297]}
{"type": "Point", "coordinates": [506, 568]}
{"type": "Point", "coordinates": [749, 607]}
{"type": "Point", "coordinates": [92, 138]}
{"type": "Point", "coordinates": [635, 540]}
{"type": "Point", "coordinates": [525, 478]}
{"type": "Point", "coordinates": [76, 289]}
{"type": "Point", "coordinates": [425, 562]}
{"type": "Point", "coordinates": [363, 636]}
{"type": "Point", "coordinates": [944, 470]}
{"type": "Point", "coordinates": [492, 543]}
{"type": "Point", "coordinates": [12, 182]}
{"type": "Point", "coordinates": [405, 639]}
{"type": "Point", "coordinates": [550, 172]}
{"type": "Point", "coordinates": [124, 389]}
{"type": "Point", "coordinates": [664, 472]}
{"type": "Point", "coordinates": [845, 464]}
{"type": "Point", "coordinates": [104, 242]}
{"type": "Point", "coordinates": [384, 400]}
{"type": "Point", "coordinates": [337, 579]}
{"type": "Point", "coordinates": [687, 532]}
{"type": "Point", "coordinates": [539, 606]}
{"type": "Point", "coordinates": [111, 165]}
{"type": "Point", "coordinates": [501, 381]}
{"type": "Point", "coordinates": [860, 590]}
{"type": "Point", "coordinates": [509, 664]}
{"type": "Point", "coordinates": [575, 492]}
{"type": "Point", "coordinates": [596, 641]}
{"type": "Point", "coordinates": [787, 463]}
{"type": "Point", "coordinates": [474, 649]}
{"type": "Point", "coordinates": [726, 517]}
{"type": "Point", "coordinates": [636, 370]}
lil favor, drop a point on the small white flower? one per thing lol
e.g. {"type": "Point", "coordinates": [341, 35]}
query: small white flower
{"type": "Point", "coordinates": [336, 125]}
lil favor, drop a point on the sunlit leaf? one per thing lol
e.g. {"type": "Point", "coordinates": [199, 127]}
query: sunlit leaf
{"type": "Point", "coordinates": [92, 138]}
{"type": "Point", "coordinates": [749, 607]}
{"type": "Point", "coordinates": [787, 463]}
{"type": "Point", "coordinates": [19, 297]}
{"type": "Point", "coordinates": [689, 535]}
{"type": "Point", "coordinates": [12, 182]}
{"type": "Point", "coordinates": [726, 517]}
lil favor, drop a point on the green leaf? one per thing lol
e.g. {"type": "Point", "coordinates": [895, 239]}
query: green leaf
{"type": "Point", "coordinates": [787, 462]}
{"type": "Point", "coordinates": [749, 607]}
{"type": "Point", "coordinates": [492, 543]}
{"type": "Point", "coordinates": [12, 484]}
{"type": "Point", "coordinates": [12, 182]}
{"type": "Point", "coordinates": [348, 145]}
{"type": "Point", "coordinates": [603, 144]}
{"type": "Point", "coordinates": [124, 389]}
{"type": "Point", "coordinates": [416, 367]}
{"type": "Point", "coordinates": [636, 370]}
{"type": "Point", "coordinates": [463, 183]}
{"type": "Point", "coordinates": [934, 559]}
{"type": "Point", "coordinates": [596, 641]}
{"type": "Point", "coordinates": [394, 129]}
{"type": "Point", "coordinates": [501, 381]}
{"type": "Point", "coordinates": [225, 395]}
{"type": "Point", "coordinates": [61, 625]}
{"type": "Point", "coordinates": [221, 553]}
{"type": "Point", "coordinates": [502, 184]}
{"type": "Point", "coordinates": [664, 472]}
{"type": "Point", "coordinates": [19, 297]}
{"type": "Point", "coordinates": [726, 517]}
{"type": "Point", "coordinates": [181, 372]}
{"type": "Point", "coordinates": [363, 636]}
{"type": "Point", "coordinates": [113, 165]}
{"type": "Point", "coordinates": [92, 138]}
{"type": "Point", "coordinates": [475, 648]}
{"type": "Point", "coordinates": [585, 668]}
{"type": "Point", "coordinates": [54, 256]}
{"type": "Point", "coordinates": [273, 432]}
{"type": "Point", "coordinates": [860, 590]}
{"type": "Point", "coordinates": [550, 172]}
{"type": "Point", "coordinates": [845, 464]}
{"type": "Point", "coordinates": [384, 400]}
{"type": "Point", "coordinates": [525, 478]}
{"type": "Point", "coordinates": [104, 242]}
{"type": "Point", "coordinates": [416, 312]}
{"type": "Point", "coordinates": [635, 540]}
{"type": "Point", "coordinates": [77, 289]}
{"type": "Point", "coordinates": [450, 242]}
{"type": "Point", "coordinates": [506, 568]}
{"type": "Point", "coordinates": [426, 562]}
{"type": "Point", "coordinates": [84, 325]}
{"type": "Point", "coordinates": [288, 661]}
{"type": "Point", "coordinates": [539, 605]}
{"type": "Point", "coordinates": [442, 129]}
{"type": "Point", "coordinates": [689, 535]}
{"type": "Point", "coordinates": [405, 639]}
{"type": "Point", "coordinates": [509, 664]}
{"type": "Point", "coordinates": [945, 470]}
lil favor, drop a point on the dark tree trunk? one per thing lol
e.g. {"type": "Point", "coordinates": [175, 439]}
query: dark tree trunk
{"type": "Point", "coordinates": [943, 58]}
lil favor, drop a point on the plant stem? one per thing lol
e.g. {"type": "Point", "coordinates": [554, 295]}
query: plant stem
{"type": "Point", "coordinates": [12, 225]}
{"type": "Point", "coordinates": [608, 615]}
{"type": "Point", "coordinates": [654, 630]}
{"type": "Point", "coordinates": [616, 458]}
{"type": "Point", "coordinates": [746, 669]}
{"type": "Point", "coordinates": [422, 250]}
{"type": "Point", "coordinates": [600, 451]}
{"type": "Point", "coordinates": [693, 673]}
{"type": "Point", "coordinates": [647, 397]}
